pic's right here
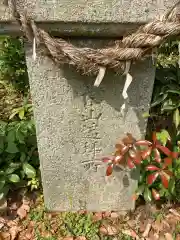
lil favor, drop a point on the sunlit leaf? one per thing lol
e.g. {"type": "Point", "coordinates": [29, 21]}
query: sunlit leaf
{"type": "Point", "coordinates": [168, 172]}
{"type": "Point", "coordinates": [176, 117]}
{"type": "Point", "coordinates": [159, 100]}
{"type": "Point", "coordinates": [130, 163]}
{"type": "Point", "coordinates": [109, 170]}
{"type": "Point", "coordinates": [12, 168]}
{"type": "Point", "coordinates": [172, 185]}
{"type": "Point", "coordinates": [167, 162]}
{"type": "Point", "coordinates": [163, 136]}
{"type": "Point", "coordinates": [137, 159]}
{"type": "Point", "coordinates": [21, 113]}
{"type": "Point", "coordinates": [155, 194]}
{"type": "Point", "coordinates": [143, 143]}
{"type": "Point", "coordinates": [2, 182]}
{"type": "Point", "coordinates": [29, 170]}
{"type": "Point", "coordinates": [14, 178]}
{"type": "Point", "coordinates": [165, 150]}
{"type": "Point", "coordinates": [165, 179]}
{"type": "Point", "coordinates": [152, 177]}
{"type": "Point", "coordinates": [174, 91]}
{"type": "Point", "coordinates": [107, 159]}
{"type": "Point", "coordinates": [124, 150]}
{"type": "Point", "coordinates": [140, 190]}
{"type": "Point", "coordinates": [152, 168]}
{"type": "Point", "coordinates": [117, 159]}
{"type": "Point", "coordinates": [145, 115]}
{"type": "Point", "coordinates": [128, 140]}
{"type": "Point", "coordinates": [157, 155]}
{"type": "Point", "coordinates": [147, 195]}
{"type": "Point", "coordinates": [13, 114]}
{"type": "Point", "coordinates": [119, 146]}
{"type": "Point", "coordinates": [146, 153]}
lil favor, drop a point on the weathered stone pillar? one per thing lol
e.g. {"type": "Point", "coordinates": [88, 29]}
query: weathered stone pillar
{"type": "Point", "coordinates": [78, 123]}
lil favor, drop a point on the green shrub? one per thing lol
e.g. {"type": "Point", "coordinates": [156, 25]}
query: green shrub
{"type": "Point", "coordinates": [19, 163]}
{"type": "Point", "coordinates": [12, 62]}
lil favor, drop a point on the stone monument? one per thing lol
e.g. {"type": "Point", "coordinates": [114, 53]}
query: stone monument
{"type": "Point", "coordinates": [76, 122]}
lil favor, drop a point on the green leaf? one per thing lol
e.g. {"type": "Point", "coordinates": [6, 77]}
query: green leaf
{"type": "Point", "coordinates": [21, 113]}
{"type": "Point", "coordinates": [14, 178]}
{"type": "Point", "coordinates": [1, 144]}
{"type": "Point", "coordinates": [29, 170]}
{"type": "Point", "coordinates": [145, 115]}
{"type": "Point", "coordinates": [176, 117]}
{"type": "Point", "coordinates": [12, 148]}
{"type": "Point", "coordinates": [2, 182]}
{"type": "Point", "coordinates": [174, 91]}
{"type": "Point", "coordinates": [163, 136]}
{"type": "Point", "coordinates": [172, 185]}
{"type": "Point", "coordinates": [140, 190]}
{"type": "Point", "coordinates": [20, 136]}
{"type": "Point", "coordinates": [11, 136]}
{"type": "Point", "coordinates": [14, 112]}
{"type": "Point", "coordinates": [159, 100]}
{"type": "Point", "coordinates": [12, 167]}
{"type": "Point", "coordinates": [23, 157]}
{"type": "Point", "coordinates": [4, 192]}
{"type": "Point", "coordinates": [2, 128]}
{"type": "Point", "coordinates": [147, 195]}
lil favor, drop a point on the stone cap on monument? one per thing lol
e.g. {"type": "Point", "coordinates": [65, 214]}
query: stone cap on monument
{"type": "Point", "coordinates": [99, 18]}
{"type": "Point", "coordinates": [89, 11]}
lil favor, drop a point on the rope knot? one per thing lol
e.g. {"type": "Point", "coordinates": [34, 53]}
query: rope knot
{"type": "Point", "coordinates": [132, 48]}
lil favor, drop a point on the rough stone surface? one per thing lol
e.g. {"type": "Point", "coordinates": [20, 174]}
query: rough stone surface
{"type": "Point", "coordinates": [92, 10]}
{"type": "Point", "coordinates": [78, 124]}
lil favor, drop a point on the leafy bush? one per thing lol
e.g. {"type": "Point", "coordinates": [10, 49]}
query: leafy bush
{"type": "Point", "coordinates": [166, 92]}
{"type": "Point", "coordinates": [158, 164]}
{"type": "Point", "coordinates": [19, 162]}
{"type": "Point", "coordinates": [12, 62]}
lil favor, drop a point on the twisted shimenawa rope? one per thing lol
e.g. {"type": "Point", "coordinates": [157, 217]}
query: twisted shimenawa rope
{"type": "Point", "coordinates": [132, 48]}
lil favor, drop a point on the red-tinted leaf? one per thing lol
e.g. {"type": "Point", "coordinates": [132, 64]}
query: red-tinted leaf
{"type": "Point", "coordinates": [175, 154]}
{"type": "Point", "coordinates": [130, 163]}
{"type": "Point", "coordinates": [137, 159]}
{"type": "Point", "coordinates": [165, 150]}
{"type": "Point", "coordinates": [143, 143]}
{"type": "Point", "coordinates": [168, 172]}
{"type": "Point", "coordinates": [130, 136]}
{"type": "Point", "coordinates": [124, 150]}
{"type": "Point", "coordinates": [132, 153]}
{"type": "Point", "coordinates": [152, 168]}
{"type": "Point", "coordinates": [167, 162]}
{"type": "Point", "coordinates": [165, 179]}
{"type": "Point", "coordinates": [155, 194]}
{"type": "Point", "coordinates": [157, 155]}
{"type": "Point", "coordinates": [152, 177]}
{"type": "Point", "coordinates": [109, 170]}
{"type": "Point", "coordinates": [117, 159]}
{"type": "Point", "coordinates": [154, 138]}
{"type": "Point", "coordinates": [146, 153]}
{"type": "Point", "coordinates": [107, 159]}
{"type": "Point", "coordinates": [128, 140]}
{"type": "Point", "coordinates": [119, 146]}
